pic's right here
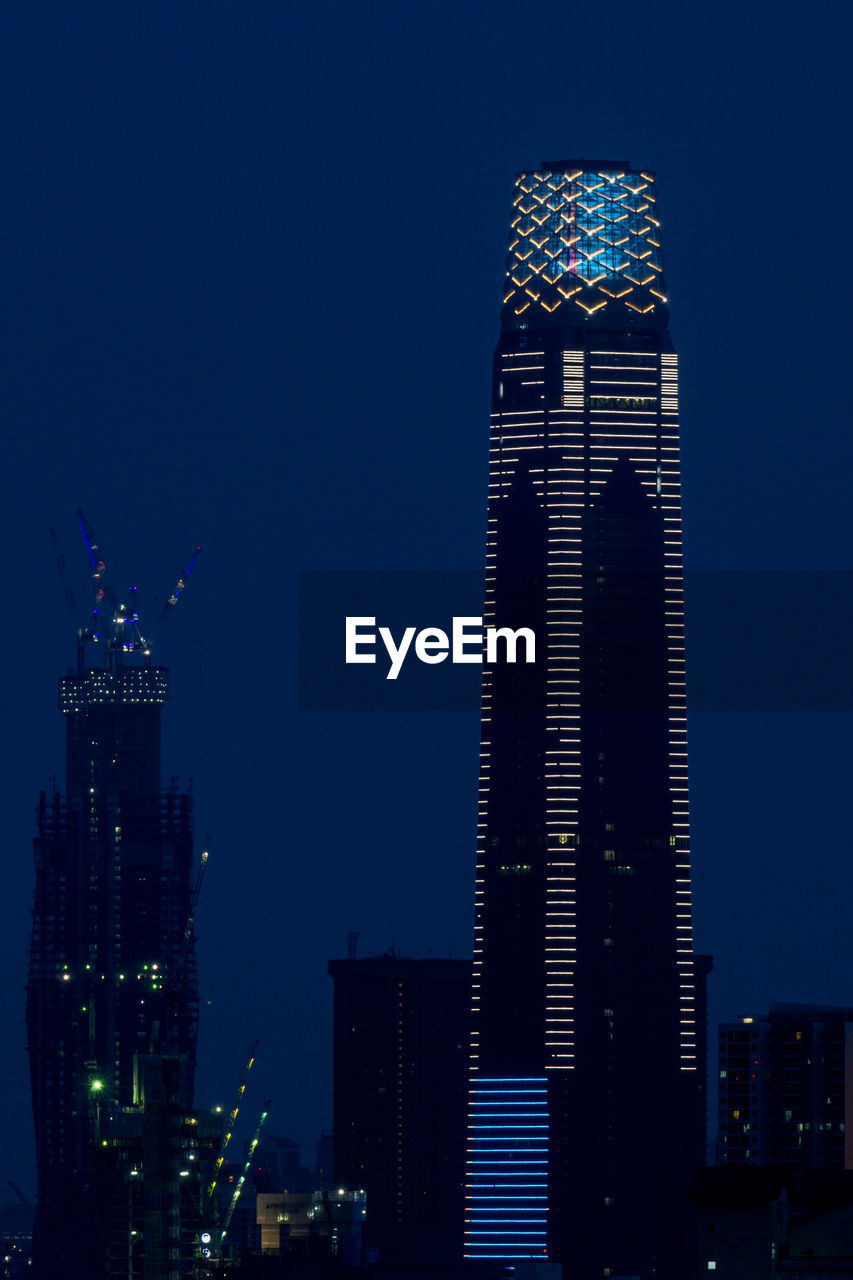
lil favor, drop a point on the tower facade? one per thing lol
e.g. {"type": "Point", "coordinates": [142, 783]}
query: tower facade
{"type": "Point", "coordinates": [112, 968]}
{"type": "Point", "coordinates": [586, 1113]}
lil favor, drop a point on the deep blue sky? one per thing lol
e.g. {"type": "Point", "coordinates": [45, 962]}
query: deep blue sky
{"type": "Point", "coordinates": [251, 274]}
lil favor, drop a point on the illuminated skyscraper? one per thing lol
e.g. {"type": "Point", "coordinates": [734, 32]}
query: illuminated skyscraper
{"type": "Point", "coordinates": [587, 1097]}
{"type": "Point", "coordinates": [112, 968]}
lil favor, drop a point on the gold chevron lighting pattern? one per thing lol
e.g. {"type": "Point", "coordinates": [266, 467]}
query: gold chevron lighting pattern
{"type": "Point", "coordinates": [584, 239]}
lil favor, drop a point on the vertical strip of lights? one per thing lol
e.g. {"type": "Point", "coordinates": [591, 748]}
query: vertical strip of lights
{"type": "Point", "coordinates": [565, 500]}
{"type": "Point", "coordinates": [506, 1205]}
{"type": "Point", "coordinates": [513, 433]}
{"type": "Point", "coordinates": [670, 488]}
{"type": "Point", "coordinates": [647, 434]}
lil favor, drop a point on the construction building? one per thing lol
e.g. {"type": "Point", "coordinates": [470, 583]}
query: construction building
{"type": "Point", "coordinates": [112, 980]}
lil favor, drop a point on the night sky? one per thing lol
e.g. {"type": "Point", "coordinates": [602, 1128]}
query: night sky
{"type": "Point", "coordinates": [251, 277]}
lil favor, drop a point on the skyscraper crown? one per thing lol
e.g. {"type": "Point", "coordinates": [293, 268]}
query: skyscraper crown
{"type": "Point", "coordinates": [585, 248]}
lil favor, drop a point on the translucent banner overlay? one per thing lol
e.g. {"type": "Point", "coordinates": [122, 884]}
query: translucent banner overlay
{"type": "Point", "coordinates": [757, 640]}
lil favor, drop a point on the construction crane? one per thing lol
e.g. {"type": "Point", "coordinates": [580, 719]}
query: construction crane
{"type": "Point", "coordinates": [106, 607]}
{"type": "Point", "coordinates": [229, 1127]}
{"type": "Point", "coordinates": [244, 1175]}
{"type": "Point", "coordinates": [117, 624]}
{"type": "Point", "coordinates": [63, 573]}
{"type": "Point", "coordinates": [175, 979]}
{"type": "Point", "coordinates": [19, 1193]}
{"type": "Point", "coordinates": [196, 893]}
{"type": "Point", "coordinates": [175, 596]}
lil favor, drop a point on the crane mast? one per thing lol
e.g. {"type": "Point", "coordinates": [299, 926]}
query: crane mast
{"type": "Point", "coordinates": [244, 1175]}
{"type": "Point", "coordinates": [229, 1128]}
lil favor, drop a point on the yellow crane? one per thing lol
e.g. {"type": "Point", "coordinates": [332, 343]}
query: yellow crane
{"type": "Point", "coordinates": [229, 1127]}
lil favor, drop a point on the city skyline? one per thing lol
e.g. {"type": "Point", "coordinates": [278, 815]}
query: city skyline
{"type": "Point", "coordinates": [180, 364]}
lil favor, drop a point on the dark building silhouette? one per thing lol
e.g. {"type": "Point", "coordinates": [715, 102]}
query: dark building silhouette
{"type": "Point", "coordinates": [401, 1030]}
{"type": "Point", "coordinates": [112, 968]}
{"type": "Point", "coordinates": [786, 1089]}
{"type": "Point", "coordinates": [742, 1222]}
{"type": "Point", "coordinates": [324, 1168]}
{"type": "Point", "coordinates": [767, 1222]}
{"type": "Point", "coordinates": [587, 1116]}
{"type": "Point", "coordinates": [276, 1166]}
